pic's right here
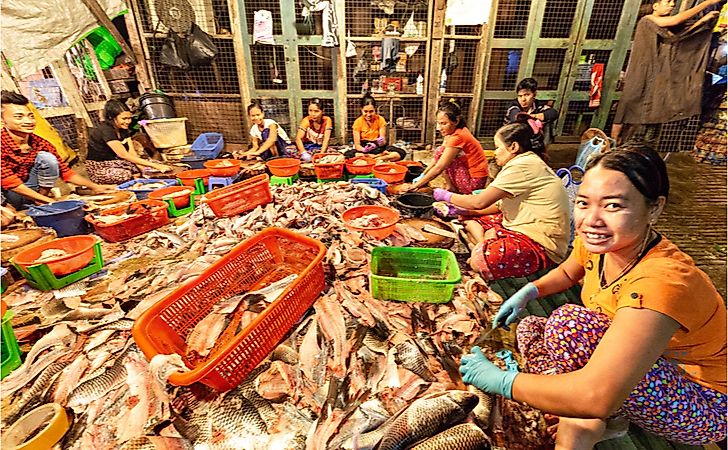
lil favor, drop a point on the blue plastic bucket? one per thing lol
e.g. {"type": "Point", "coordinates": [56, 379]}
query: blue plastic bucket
{"type": "Point", "coordinates": [66, 217]}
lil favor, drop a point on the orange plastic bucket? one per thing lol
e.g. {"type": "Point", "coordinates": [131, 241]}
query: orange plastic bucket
{"type": "Point", "coordinates": [388, 216]}
{"type": "Point", "coordinates": [180, 201]}
{"type": "Point", "coordinates": [79, 251]}
{"type": "Point", "coordinates": [284, 167]}
{"type": "Point", "coordinates": [390, 172]}
{"type": "Point", "coordinates": [223, 167]}
{"type": "Point", "coordinates": [188, 177]}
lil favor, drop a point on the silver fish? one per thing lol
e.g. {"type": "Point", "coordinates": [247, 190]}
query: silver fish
{"type": "Point", "coordinates": [425, 417]}
{"type": "Point", "coordinates": [95, 388]}
{"type": "Point", "coordinates": [410, 357]}
{"type": "Point", "coordinates": [466, 436]}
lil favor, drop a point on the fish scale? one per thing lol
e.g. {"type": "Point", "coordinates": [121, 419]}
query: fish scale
{"type": "Point", "coordinates": [31, 397]}
{"type": "Point", "coordinates": [410, 357]}
{"type": "Point", "coordinates": [466, 436]}
{"type": "Point", "coordinates": [97, 387]}
{"type": "Point", "coordinates": [425, 417]}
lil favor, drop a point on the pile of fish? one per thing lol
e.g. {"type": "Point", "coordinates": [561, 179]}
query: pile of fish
{"type": "Point", "coordinates": [331, 159]}
{"type": "Point", "coordinates": [354, 373]}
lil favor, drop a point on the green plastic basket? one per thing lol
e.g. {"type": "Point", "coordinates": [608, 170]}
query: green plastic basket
{"type": "Point", "coordinates": [413, 274]}
{"type": "Point", "coordinates": [41, 277]}
{"type": "Point", "coordinates": [9, 349]}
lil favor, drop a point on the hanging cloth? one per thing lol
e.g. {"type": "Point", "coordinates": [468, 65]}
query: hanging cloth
{"type": "Point", "coordinates": [263, 27]}
{"type": "Point", "coordinates": [330, 22]}
{"type": "Point", "coordinates": [390, 54]}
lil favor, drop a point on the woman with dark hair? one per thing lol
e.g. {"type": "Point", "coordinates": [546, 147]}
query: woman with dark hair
{"type": "Point", "coordinates": [649, 344]}
{"type": "Point", "coordinates": [314, 132]}
{"type": "Point", "coordinates": [268, 138]}
{"type": "Point", "coordinates": [113, 158]}
{"type": "Point", "coordinates": [370, 131]}
{"type": "Point", "coordinates": [520, 222]}
{"type": "Point", "coordinates": [461, 157]}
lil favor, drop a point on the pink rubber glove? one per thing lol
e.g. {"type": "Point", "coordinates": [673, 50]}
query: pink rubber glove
{"type": "Point", "coordinates": [368, 148]}
{"type": "Point", "coordinates": [380, 141]}
{"type": "Point", "coordinates": [442, 195]}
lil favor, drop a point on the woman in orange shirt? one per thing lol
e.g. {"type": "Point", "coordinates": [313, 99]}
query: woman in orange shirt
{"type": "Point", "coordinates": [461, 156]}
{"type": "Point", "coordinates": [649, 344]}
{"type": "Point", "coordinates": [370, 131]}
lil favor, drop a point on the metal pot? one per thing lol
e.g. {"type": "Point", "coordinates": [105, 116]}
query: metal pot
{"type": "Point", "coordinates": [415, 204]}
{"type": "Point", "coordinates": [413, 172]}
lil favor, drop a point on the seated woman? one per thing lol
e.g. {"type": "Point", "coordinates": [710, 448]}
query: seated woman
{"type": "Point", "coordinates": [314, 132]}
{"type": "Point", "coordinates": [369, 132]}
{"type": "Point", "coordinates": [268, 138]}
{"type": "Point", "coordinates": [112, 155]}
{"type": "Point", "coordinates": [524, 226]}
{"type": "Point", "coordinates": [649, 344]}
{"type": "Point", "coordinates": [460, 158]}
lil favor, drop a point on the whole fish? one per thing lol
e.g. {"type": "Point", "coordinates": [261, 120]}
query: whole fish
{"type": "Point", "coordinates": [466, 436]}
{"type": "Point", "coordinates": [425, 417]}
{"type": "Point", "coordinates": [95, 388]}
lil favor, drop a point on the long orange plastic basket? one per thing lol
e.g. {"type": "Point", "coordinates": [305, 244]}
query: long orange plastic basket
{"type": "Point", "coordinates": [240, 197]}
{"type": "Point", "coordinates": [270, 255]}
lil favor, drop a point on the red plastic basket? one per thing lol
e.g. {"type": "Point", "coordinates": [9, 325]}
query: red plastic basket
{"type": "Point", "coordinates": [327, 171]}
{"type": "Point", "coordinates": [268, 256]}
{"type": "Point", "coordinates": [240, 197]}
{"type": "Point", "coordinates": [152, 215]}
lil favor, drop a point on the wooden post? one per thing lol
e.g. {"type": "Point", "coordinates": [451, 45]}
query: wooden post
{"type": "Point", "coordinates": [141, 72]}
{"type": "Point", "coordinates": [101, 16]}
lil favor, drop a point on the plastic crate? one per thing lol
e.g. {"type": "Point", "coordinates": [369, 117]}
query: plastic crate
{"type": "Point", "coordinates": [327, 171]}
{"type": "Point", "coordinates": [374, 183]}
{"type": "Point", "coordinates": [166, 133]}
{"type": "Point", "coordinates": [208, 145]}
{"type": "Point", "coordinates": [413, 274]}
{"type": "Point", "coordinates": [240, 197]}
{"type": "Point", "coordinates": [266, 257]}
{"type": "Point", "coordinates": [154, 215]}
{"type": "Point", "coordinates": [41, 277]}
{"type": "Point", "coordinates": [141, 194]}
{"type": "Point", "coordinates": [9, 348]}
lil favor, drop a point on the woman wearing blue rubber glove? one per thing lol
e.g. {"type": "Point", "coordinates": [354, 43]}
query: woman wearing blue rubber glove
{"type": "Point", "coordinates": [483, 374]}
{"type": "Point", "coordinates": [508, 312]}
{"type": "Point", "coordinates": [649, 344]}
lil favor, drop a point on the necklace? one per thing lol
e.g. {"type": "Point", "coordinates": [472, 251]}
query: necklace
{"type": "Point", "coordinates": [630, 265]}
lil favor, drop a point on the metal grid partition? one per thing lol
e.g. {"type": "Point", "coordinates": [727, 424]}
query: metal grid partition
{"type": "Point", "coordinates": [512, 19]}
{"type": "Point", "coordinates": [269, 69]}
{"type": "Point", "coordinates": [315, 67]}
{"type": "Point", "coordinates": [86, 73]}
{"type": "Point", "coordinates": [504, 66]}
{"type": "Point", "coordinates": [365, 18]}
{"type": "Point", "coordinates": [460, 65]}
{"type": "Point", "coordinates": [96, 117]}
{"type": "Point", "coordinates": [491, 116]}
{"type": "Point", "coordinates": [550, 49]}
{"type": "Point", "coordinates": [66, 126]}
{"type": "Point", "coordinates": [208, 95]}
{"type": "Point", "coordinates": [278, 110]}
{"type": "Point", "coordinates": [679, 136]}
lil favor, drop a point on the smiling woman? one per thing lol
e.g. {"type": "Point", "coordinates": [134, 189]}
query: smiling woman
{"type": "Point", "coordinates": [649, 344]}
{"type": "Point", "coordinates": [112, 155]}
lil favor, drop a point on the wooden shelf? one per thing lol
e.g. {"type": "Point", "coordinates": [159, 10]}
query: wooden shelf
{"type": "Point", "coordinates": [379, 39]}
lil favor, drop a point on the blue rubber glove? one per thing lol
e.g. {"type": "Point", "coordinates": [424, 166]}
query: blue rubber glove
{"type": "Point", "coordinates": [417, 180]}
{"type": "Point", "coordinates": [442, 195]}
{"type": "Point", "coordinates": [484, 375]}
{"type": "Point", "coordinates": [508, 312]}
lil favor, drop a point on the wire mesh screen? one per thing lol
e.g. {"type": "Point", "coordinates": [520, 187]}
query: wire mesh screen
{"type": "Point", "coordinates": [269, 69]}
{"type": "Point", "coordinates": [558, 18]}
{"type": "Point", "coordinates": [220, 77]}
{"type": "Point", "coordinates": [84, 73]}
{"type": "Point", "coordinates": [583, 77]}
{"type": "Point", "coordinates": [210, 114]}
{"type": "Point", "coordinates": [491, 116]}
{"type": "Point", "coordinates": [604, 19]}
{"type": "Point", "coordinates": [316, 67]}
{"type": "Point", "coordinates": [278, 110]}
{"type": "Point", "coordinates": [578, 118]}
{"type": "Point", "coordinates": [465, 30]}
{"type": "Point", "coordinates": [503, 69]}
{"type": "Point", "coordinates": [358, 68]}
{"type": "Point", "coordinates": [512, 19]}
{"type": "Point", "coordinates": [365, 18]}
{"type": "Point", "coordinates": [353, 111]}
{"type": "Point", "coordinates": [66, 126]}
{"type": "Point", "coordinates": [459, 64]}
{"type": "Point", "coordinates": [274, 6]}
{"type": "Point", "coordinates": [610, 116]}
{"type": "Point", "coordinates": [95, 117]}
{"type": "Point", "coordinates": [547, 67]}
{"type": "Point", "coordinates": [326, 105]}
{"type": "Point", "coordinates": [679, 136]}
{"type": "Point", "coordinates": [162, 15]}
{"type": "Point", "coordinates": [407, 120]}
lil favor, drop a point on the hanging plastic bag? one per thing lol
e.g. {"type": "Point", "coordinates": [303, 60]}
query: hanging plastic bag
{"type": "Point", "coordinates": [410, 29]}
{"type": "Point", "coordinates": [263, 27]}
{"type": "Point", "coordinates": [174, 51]}
{"type": "Point", "coordinates": [350, 47]}
{"type": "Point", "coordinates": [201, 50]}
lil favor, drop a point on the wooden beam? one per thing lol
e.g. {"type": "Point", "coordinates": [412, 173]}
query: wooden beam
{"type": "Point", "coordinates": [142, 69]}
{"type": "Point", "coordinates": [101, 16]}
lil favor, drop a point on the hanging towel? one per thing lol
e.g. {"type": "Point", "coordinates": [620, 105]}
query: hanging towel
{"type": "Point", "coordinates": [330, 23]}
{"type": "Point", "coordinates": [390, 54]}
{"type": "Point", "coordinates": [263, 27]}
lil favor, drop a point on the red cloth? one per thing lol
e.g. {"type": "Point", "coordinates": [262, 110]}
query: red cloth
{"type": "Point", "coordinates": [509, 254]}
{"type": "Point", "coordinates": [15, 165]}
